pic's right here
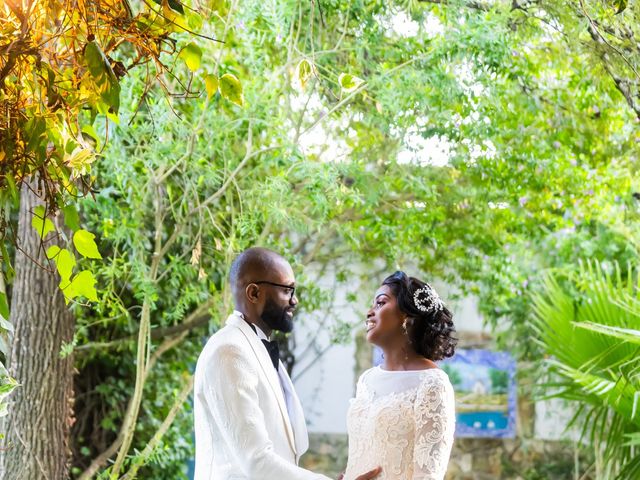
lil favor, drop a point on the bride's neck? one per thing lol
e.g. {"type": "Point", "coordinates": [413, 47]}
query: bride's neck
{"type": "Point", "coordinates": [399, 357]}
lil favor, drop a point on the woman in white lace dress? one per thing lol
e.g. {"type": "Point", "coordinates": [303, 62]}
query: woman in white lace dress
{"type": "Point", "coordinates": [403, 416]}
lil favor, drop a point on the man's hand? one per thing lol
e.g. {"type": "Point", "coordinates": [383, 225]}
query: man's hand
{"type": "Point", "coordinates": [371, 474]}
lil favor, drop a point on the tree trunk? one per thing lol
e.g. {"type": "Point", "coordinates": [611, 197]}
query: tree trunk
{"type": "Point", "coordinates": [41, 410]}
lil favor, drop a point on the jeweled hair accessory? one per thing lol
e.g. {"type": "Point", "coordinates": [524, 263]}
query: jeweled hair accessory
{"type": "Point", "coordinates": [426, 299]}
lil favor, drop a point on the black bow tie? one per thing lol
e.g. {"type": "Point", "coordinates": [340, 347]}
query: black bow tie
{"type": "Point", "coordinates": [274, 352]}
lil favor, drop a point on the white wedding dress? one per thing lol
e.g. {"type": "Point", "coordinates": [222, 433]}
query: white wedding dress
{"type": "Point", "coordinates": [402, 421]}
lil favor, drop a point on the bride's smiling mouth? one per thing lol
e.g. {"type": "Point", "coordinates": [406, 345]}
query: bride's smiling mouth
{"type": "Point", "coordinates": [370, 325]}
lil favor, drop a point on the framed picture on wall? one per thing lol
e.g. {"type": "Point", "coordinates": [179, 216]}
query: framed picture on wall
{"type": "Point", "coordinates": [485, 388]}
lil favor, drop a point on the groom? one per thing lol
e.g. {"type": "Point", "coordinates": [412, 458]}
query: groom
{"type": "Point", "coordinates": [249, 422]}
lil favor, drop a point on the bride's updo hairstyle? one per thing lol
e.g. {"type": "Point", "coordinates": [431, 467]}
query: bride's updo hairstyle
{"type": "Point", "coordinates": [430, 325]}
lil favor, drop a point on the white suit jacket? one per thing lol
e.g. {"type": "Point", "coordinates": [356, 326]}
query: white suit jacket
{"type": "Point", "coordinates": [242, 427]}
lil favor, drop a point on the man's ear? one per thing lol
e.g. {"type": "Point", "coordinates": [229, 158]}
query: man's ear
{"type": "Point", "coordinates": [252, 292]}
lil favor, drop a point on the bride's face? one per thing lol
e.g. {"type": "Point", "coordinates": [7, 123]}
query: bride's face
{"type": "Point", "coordinates": [384, 318]}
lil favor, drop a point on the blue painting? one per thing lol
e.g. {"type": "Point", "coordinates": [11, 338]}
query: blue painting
{"type": "Point", "coordinates": [485, 388]}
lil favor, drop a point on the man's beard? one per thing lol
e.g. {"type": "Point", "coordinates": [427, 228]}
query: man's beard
{"type": "Point", "coordinates": [277, 318]}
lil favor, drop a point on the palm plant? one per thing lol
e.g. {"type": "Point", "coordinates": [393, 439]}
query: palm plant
{"type": "Point", "coordinates": [588, 325]}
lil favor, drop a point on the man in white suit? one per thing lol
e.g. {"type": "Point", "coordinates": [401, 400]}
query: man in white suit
{"type": "Point", "coordinates": [249, 422]}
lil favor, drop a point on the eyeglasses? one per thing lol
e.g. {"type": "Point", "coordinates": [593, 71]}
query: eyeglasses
{"type": "Point", "coordinates": [288, 287]}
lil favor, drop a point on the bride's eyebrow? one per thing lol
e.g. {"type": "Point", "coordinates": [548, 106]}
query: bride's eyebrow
{"type": "Point", "coordinates": [381, 295]}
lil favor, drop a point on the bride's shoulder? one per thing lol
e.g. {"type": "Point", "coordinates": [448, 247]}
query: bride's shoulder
{"type": "Point", "coordinates": [367, 373]}
{"type": "Point", "coordinates": [435, 377]}
{"type": "Point", "coordinates": [366, 376]}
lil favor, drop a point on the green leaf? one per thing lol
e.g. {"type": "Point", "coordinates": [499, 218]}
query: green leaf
{"type": "Point", "coordinates": [64, 260]}
{"type": "Point", "coordinates": [7, 261]}
{"type": "Point", "coordinates": [82, 285]}
{"type": "Point", "coordinates": [191, 54]}
{"type": "Point", "coordinates": [4, 306]}
{"type": "Point", "coordinates": [52, 252]}
{"type": "Point", "coordinates": [231, 89]}
{"type": "Point", "coordinates": [621, 5]}
{"type": "Point", "coordinates": [90, 135]}
{"type": "Point", "coordinates": [85, 244]}
{"type": "Point", "coordinates": [103, 75]}
{"type": "Point", "coordinates": [349, 82]}
{"type": "Point", "coordinates": [211, 83]}
{"type": "Point", "coordinates": [174, 5]}
{"type": "Point", "coordinates": [5, 329]}
{"type": "Point", "coordinates": [40, 223]}
{"type": "Point", "coordinates": [79, 158]}
{"type": "Point", "coordinates": [7, 384]}
{"type": "Point", "coordinates": [304, 71]}
{"type": "Point", "coordinates": [626, 334]}
{"type": "Point", "coordinates": [634, 439]}
{"type": "Point", "coordinates": [71, 217]}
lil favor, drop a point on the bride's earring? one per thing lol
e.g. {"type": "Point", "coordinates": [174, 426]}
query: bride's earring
{"type": "Point", "coordinates": [404, 326]}
{"type": "Point", "coordinates": [406, 333]}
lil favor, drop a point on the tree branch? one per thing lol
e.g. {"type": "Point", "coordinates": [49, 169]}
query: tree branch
{"type": "Point", "coordinates": [102, 459]}
{"type": "Point", "coordinates": [148, 450]}
{"type": "Point", "coordinates": [199, 317]}
{"type": "Point", "coordinates": [471, 4]}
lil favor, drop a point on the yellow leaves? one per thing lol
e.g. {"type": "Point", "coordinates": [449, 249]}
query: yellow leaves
{"type": "Point", "coordinates": [202, 275]}
{"type": "Point", "coordinates": [231, 89]}
{"type": "Point", "coordinates": [228, 85]}
{"type": "Point", "coordinates": [153, 23]}
{"type": "Point", "coordinates": [196, 253]}
{"type": "Point", "coordinates": [64, 261]}
{"type": "Point", "coordinates": [79, 158]}
{"type": "Point", "coordinates": [211, 83]}
{"type": "Point", "coordinates": [304, 71]}
{"type": "Point", "coordinates": [105, 79]}
{"type": "Point", "coordinates": [82, 285]}
{"type": "Point", "coordinates": [78, 155]}
{"type": "Point", "coordinates": [85, 244]}
{"type": "Point", "coordinates": [42, 225]}
{"type": "Point", "coordinates": [176, 21]}
{"type": "Point", "coordinates": [191, 54]}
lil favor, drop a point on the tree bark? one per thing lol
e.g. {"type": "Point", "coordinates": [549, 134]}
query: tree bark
{"type": "Point", "coordinates": [41, 409]}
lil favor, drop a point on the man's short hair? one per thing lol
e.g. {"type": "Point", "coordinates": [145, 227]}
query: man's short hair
{"type": "Point", "coordinates": [255, 261]}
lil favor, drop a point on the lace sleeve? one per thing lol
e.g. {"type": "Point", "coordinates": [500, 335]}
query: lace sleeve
{"type": "Point", "coordinates": [435, 421]}
{"type": "Point", "coordinates": [360, 385]}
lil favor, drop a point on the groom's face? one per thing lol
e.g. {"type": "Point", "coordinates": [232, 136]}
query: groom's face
{"type": "Point", "coordinates": [280, 301]}
{"type": "Point", "coordinates": [277, 317]}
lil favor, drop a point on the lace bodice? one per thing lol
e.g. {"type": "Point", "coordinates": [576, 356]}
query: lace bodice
{"type": "Point", "coordinates": [402, 421]}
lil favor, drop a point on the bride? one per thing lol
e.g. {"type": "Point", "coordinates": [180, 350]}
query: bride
{"type": "Point", "coordinates": [402, 417]}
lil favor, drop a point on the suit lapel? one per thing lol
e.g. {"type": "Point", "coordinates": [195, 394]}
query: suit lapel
{"type": "Point", "coordinates": [269, 372]}
{"type": "Point", "coordinates": [298, 421]}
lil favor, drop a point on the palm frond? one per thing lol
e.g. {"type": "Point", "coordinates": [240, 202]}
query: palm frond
{"type": "Point", "coordinates": [588, 323]}
{"type": "Point", "coordinates": [626, 334]}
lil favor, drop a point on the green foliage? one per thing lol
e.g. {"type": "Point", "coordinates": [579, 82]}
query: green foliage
{"type": "Point", "coordinates": [589, 330]}
{"type": "Point", "coordinates": [7, 385]}
{"type": "Point", "coordinates": [539, 173]}
{"type": "Point", "coordinates": [62, 72]}
{"type": "Point", "coordinates": [107, 84]}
